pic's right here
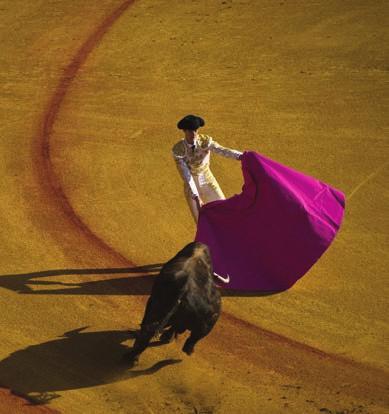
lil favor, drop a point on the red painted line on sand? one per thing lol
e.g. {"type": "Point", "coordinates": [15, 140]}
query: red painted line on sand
{"type": "Point", "coordinates": [47, 176]}
{"type": "Point", "coordinates": [13, 402]}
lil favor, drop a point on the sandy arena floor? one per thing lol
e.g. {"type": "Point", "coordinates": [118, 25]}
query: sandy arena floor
{"type": "Point", "coordinates": [90, 96]}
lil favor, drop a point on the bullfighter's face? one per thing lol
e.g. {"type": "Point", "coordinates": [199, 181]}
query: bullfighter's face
{"type": "Point", "coordinates": [190, 135]}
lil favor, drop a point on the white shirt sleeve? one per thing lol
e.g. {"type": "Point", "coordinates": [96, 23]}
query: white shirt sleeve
{"type": "Point", "coordinates": [226, 152]}
{"type": "Point", "coordinates": [186, 174]}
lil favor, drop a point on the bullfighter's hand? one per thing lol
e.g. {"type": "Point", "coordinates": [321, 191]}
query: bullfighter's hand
{"type": "Point", "coordinates": [198, 202]}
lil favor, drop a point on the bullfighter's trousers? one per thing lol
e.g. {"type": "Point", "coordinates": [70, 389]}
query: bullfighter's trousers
{"type": "Point", "coordinates": [208, 188]}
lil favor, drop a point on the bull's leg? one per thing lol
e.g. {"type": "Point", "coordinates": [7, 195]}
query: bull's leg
{"type": "Point", "coordinates": [190, 343]}
{"type": "Point", "coordinates": [141, 343]}
{"type": "Point", "coordinates": [168, 335]}
{"type": "Point", "coordinates": [200, 331]}
{"type": "Point", "coordinates": [195, 336]}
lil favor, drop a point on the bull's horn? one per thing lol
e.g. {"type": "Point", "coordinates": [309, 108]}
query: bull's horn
{"type": "Point", "coordinates": [222, 278]}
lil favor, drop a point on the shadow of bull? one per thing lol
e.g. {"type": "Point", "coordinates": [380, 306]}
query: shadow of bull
{"type": "Point", "coordinates": [33, 283]}
{"type": "Point", "coordinates": [75, 360]}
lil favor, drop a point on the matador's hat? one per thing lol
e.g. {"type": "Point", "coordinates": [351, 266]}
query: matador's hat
{"type": "Point", "coordinates": [191, 122]}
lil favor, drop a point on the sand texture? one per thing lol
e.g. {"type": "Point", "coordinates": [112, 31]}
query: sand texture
{"type": "Point", "coordinates": [91, 199]}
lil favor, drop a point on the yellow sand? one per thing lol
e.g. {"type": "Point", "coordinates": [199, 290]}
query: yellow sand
{"type": "Point", "coordinates": [303, 83]}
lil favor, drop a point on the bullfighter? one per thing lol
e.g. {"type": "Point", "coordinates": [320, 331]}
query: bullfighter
{"type": "Point", "coordinates": [192, 156]}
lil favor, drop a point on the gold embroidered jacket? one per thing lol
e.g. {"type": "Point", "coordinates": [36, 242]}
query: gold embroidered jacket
{"type": "Point", "coordinates": [194, 159]}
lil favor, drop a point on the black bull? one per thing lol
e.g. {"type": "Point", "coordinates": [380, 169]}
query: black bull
{"type": "Point", "coordinates": [184, 297]}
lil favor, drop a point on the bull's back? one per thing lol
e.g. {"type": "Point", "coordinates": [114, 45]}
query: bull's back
{"type": "Point", "coordinates": [187, 277]}
{"type": "Point", "coordinates": [202, 299]}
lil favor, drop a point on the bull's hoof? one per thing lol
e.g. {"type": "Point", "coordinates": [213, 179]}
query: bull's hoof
{"type": "Point", "coordinates": [188, 350]}
{"type": "Point", "coordinates": [130, 359]}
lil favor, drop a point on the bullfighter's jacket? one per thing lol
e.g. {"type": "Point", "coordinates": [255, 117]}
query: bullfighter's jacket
{"type": "Point", "coordinates": [193, 164]}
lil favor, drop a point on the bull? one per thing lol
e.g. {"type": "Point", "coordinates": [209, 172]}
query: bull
{"type": "Point", "coordinates": [184, 297]}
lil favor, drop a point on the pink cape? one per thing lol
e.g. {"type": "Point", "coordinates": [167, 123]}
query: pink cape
{"type": "Point", "coordinates": [268, 236]}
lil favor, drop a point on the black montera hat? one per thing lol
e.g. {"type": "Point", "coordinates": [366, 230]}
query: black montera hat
{"type": "Point", "coordinates": [191, 122]}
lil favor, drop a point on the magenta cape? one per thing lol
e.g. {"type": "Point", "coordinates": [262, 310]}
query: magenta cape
{"type": "Point", "coordinates": [268, 236]}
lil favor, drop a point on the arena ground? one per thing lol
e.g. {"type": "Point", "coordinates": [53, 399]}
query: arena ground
{"type": "Point", "coordinates": [90, 95]}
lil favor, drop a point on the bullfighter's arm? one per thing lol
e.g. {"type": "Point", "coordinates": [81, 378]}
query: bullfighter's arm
{"type": "Point", "coordinates": [226, 152]}
{"type": "Point", "coordinates": [186, 174]}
